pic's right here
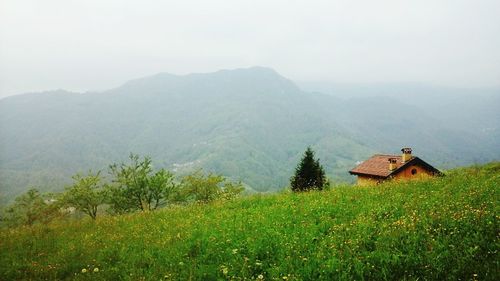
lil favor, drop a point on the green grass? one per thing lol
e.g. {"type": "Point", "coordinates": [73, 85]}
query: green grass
{"type": "Point", "coordinates": [445, 228]}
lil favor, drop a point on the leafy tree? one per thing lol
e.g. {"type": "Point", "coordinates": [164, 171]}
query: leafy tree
{"type": "Point", "coordinates": [163, 188]}
{"type": "Point", "coordinates": [231, 190]}
{"type": "Point", "coordinates": [309, 174]}
{"type": "Point", "coordinates": [86, 194]}
{"type": "Point", "coordinates": [31, 208]}
{"type": "Point", "coordinates": [136, 187]}
{"type": "Point", "coordinates": [204, 188]}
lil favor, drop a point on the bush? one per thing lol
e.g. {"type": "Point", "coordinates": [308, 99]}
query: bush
{"type": "Point", "coordinates": [31, 208]}
{"type": "Point", "coordinates": [200, 187]}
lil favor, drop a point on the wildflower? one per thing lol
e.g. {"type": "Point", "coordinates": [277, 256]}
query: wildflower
{"type": "Point", "coordinates": [260, 277]}
{"type": "Point", "coordinates": [96, 269]}
{"type": "Point", "coordinates": [84, 270]}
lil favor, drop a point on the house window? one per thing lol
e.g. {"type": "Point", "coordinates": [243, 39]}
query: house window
{"type": "Point", "coordinates": [413, 171]}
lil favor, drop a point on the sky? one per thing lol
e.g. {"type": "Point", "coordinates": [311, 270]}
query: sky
{"type": "Point", "coordinates": [93, 45]}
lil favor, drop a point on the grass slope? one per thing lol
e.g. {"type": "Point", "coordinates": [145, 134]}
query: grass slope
{"type": "Point", "coordinates": [446, 228]}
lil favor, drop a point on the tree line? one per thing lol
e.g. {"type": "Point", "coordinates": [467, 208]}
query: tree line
{"type": "Point", "coordinates": [137, 187]}
{"type": "Point", "coordinates": [130, 187]}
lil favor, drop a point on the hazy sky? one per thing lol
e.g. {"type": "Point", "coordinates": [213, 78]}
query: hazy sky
{"type": "Point", "coordinates": [98, 44]}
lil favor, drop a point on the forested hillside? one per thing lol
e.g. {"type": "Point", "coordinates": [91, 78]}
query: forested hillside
{"type": "Point", "coordinates": [248, 124]}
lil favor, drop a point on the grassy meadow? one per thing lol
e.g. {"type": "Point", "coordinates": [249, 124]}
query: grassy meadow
{"type": "Point", "coordinates": [441, 229]}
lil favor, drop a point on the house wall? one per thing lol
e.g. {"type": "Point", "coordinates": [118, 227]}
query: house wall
{"type": "Point", "coordinates": [406, 174]}
{"type": "Point", "coordinates": [365, 180]}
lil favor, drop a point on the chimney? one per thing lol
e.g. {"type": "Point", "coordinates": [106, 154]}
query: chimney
{"type": "Point", "coordinates": [392, 164]}
{"type": "Point", "coordinates": [406, 154]}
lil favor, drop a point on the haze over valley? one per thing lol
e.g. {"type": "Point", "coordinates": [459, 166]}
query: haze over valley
{"type": "Point", "coordinates": [249, 124]}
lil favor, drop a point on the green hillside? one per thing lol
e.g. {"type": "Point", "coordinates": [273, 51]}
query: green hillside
{"type": "Point", "coordinates": [248, 124]}
{"type": "Point", "coordinates": [440, 229]}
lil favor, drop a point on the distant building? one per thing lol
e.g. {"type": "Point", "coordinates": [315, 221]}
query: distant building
{"type": "Point", "coordinates": [400, 167]}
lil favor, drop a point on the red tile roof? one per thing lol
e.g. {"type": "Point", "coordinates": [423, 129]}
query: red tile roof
{"type": "Point", "coordinates": [378, 165]}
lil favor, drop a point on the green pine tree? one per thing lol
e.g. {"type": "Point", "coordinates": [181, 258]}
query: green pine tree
{"type": "Point", "coordinates": [309, 174]}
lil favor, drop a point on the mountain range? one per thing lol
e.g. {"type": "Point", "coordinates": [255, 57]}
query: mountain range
{"type": "Point", "coordinates": [248, 124]}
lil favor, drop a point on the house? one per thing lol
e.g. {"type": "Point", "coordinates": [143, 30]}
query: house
{"type": "Point", "coordinates": [400, 167]}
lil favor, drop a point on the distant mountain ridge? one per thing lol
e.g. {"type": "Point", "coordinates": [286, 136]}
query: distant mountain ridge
{"type": "Point", "coordinates": [249, 124]}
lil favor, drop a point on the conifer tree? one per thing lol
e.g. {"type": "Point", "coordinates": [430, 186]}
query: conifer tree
{"type": "Point", "coordinates": [309, 174]}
